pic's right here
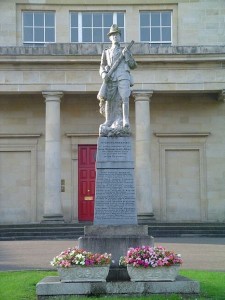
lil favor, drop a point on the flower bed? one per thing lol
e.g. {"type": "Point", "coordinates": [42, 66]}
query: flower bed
{"type": "Point", "coordinates": [79, 265]}
{"type": "Point", "coordinates": [151, 264]}
{"type": "Point", "coordinates": [150, 257]}
{"type": "Point", "coordinates": [80, 257]}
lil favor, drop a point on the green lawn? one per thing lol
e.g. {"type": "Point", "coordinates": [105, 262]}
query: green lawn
{"type": "Point", "coordinates": [21, 285]}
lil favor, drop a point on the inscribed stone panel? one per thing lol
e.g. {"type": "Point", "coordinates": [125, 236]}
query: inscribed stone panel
{"type": "Point", "coordinates": [115, 196]}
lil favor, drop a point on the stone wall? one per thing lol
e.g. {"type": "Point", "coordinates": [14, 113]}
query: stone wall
{"type": "Point", "coordinates": [75, 68]}
{"type": "Point", "coordinates": [194, 22]}
{"type": "Point", "coordinates": [22, 152]}
{"type": "Point", "coordinates": [187, 120]}
{"type": "Point", "coordinates": [187, 148]}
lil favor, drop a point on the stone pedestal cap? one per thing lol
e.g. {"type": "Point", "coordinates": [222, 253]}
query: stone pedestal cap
{"type": "Point", "coordinates": [116, 230]}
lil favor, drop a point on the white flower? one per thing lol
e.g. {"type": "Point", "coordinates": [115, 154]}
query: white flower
{"type": "Point", "coordinates": [52, 263]}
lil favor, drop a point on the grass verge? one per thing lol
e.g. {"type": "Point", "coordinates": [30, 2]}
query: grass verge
{"type": "Point", "coordinates": [21, 285]}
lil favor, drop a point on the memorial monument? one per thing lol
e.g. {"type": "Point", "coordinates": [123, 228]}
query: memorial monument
{"type": "Point", "coordinates": [115, 216]}
{"type": "Point", "coordinates": [115, 201]}
{"type": "Point", "coordinates": [115, 226]}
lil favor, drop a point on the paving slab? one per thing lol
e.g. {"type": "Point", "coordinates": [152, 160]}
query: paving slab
{"type": "Point", "coordinates": [198, 253]}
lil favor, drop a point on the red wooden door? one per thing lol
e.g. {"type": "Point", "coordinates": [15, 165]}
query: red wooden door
{"type": "Point", "coordinates": [86, 182]}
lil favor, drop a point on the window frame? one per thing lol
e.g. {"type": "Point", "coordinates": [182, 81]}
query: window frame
{"type": "Point", "coordinates": [159, 42]}
{"type": "Point", "coordinates": [39, 43]}
{"type": "Point", "coordinates": [80, 25]}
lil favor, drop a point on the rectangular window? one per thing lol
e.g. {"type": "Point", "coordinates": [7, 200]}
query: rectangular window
{"type": "Point", "coordinates": [38, 27]}
{"type": "Point", "coordinates": [156, 27]}
{"type": "Point", "coordinates": [92, 27]}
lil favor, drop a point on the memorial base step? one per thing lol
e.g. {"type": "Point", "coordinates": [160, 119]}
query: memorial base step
{"type": "Point", "coordinates": [52, 288]}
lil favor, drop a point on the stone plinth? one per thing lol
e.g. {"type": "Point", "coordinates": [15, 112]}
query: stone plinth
{"type": "Point", "coordinates": [115, 227]}
{"type": "Point", "coordinates": [115, 197]}
{"type": "Point", "coordinates": [116, 230]}
{"type": "Point", "coordinates": [115, 240]}
{"type": "Point", "coordinates": [51, 288]}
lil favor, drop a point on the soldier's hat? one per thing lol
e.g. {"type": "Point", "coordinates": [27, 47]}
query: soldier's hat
{"type": "Point", "coordinates": [114, 29]}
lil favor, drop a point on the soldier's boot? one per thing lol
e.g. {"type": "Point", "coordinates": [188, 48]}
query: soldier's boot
{"type": "Point", "coordinates": [126, 122]}
{"type": "Point", "coordinates": [107, 115]}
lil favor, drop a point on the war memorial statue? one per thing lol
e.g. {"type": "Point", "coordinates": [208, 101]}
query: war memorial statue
{"type": "Point", "coordinates": [115, 213]}
{"type": "Point", "coordinates": [115, 228]}
{"type": "Point", "coordinates": [115, 66]}
{"type": "Point", "coordinates": [115, 197]}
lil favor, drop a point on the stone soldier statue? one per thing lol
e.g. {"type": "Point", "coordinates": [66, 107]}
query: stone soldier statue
{"type": "Point", "coordinates": [114, 93]}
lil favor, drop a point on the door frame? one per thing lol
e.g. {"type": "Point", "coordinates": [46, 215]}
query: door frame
{"type": "Point", "coordinates": [75, 140]}
{"type": "Point", "coordinates": [90, 204]}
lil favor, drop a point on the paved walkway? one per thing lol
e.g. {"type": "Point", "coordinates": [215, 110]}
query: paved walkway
{"type": "Point", "coordinates": [197, 253]}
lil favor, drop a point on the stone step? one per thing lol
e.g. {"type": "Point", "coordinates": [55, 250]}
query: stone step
{"type": "Point", "coordinates": [73, 231]}
{"type": "Point", "coordinates": [42, 234]}
{"type": "Point", "coordinates": [39, 238]}
{"type": "Point", "coordinates": [45, 225]}
{"type": "Point", "coordinates": [37, 229]}
{"type": "Point", "coordinates": [50, 287]}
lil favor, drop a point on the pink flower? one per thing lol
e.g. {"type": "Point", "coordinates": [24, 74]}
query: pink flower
{"type": "Point", "coordinates": [147, 256]}
{"type": "Point", "coordinates": [76, 256]}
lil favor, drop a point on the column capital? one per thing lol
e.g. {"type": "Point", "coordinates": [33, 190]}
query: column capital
{"type": "Point", "coordinates": [142, 95]}
{"type": "Point", "coordinates": [52, 95]}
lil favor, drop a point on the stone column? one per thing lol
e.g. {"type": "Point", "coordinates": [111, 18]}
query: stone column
{"type": "Point", "coordinates": [143, 162]}
{"type": "Point", "coordinates": [52, 205]}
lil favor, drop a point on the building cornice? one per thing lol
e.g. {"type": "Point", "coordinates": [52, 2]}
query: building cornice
{"type": "Point", "coordinates": [108, 2]}
{"type": "Point", "coordinates": [90, 53]}
{"type": "Point", "coordinates": [182, 134]}
{"type": "Point", "coordinates": [19, 136]}
{"type": "Point", "coordinates": [81, 135]}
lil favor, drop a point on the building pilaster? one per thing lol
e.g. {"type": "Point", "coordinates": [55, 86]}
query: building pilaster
{"type": "Point", "coordinates": [52, 205]}
{"type": "Point", "coordinates": [143, 162]}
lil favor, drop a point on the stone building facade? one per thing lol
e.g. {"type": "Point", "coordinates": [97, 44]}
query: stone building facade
{"type": "Point", "coordinates": [49, 59]}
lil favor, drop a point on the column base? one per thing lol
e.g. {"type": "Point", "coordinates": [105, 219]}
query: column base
{"type": "Point", "coordinates": [53, 219]}
{"type": "Point", "coordinates": [146, 218]}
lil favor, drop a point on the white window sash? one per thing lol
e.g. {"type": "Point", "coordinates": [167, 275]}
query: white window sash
{"type": "Point", "coordinates": [160, 27]}
{"type": "Point", "coordinates": [80, 26]}
{"type": "Point", "coordinates": [33, 28]}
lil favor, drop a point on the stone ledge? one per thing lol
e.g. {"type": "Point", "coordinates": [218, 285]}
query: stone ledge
{"type": "Point", "coordinates": [116, 230]}
{"type": "Point", "coordinates": [89, 49]}
{"type": "Point", "coordinates": [50, 287]}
